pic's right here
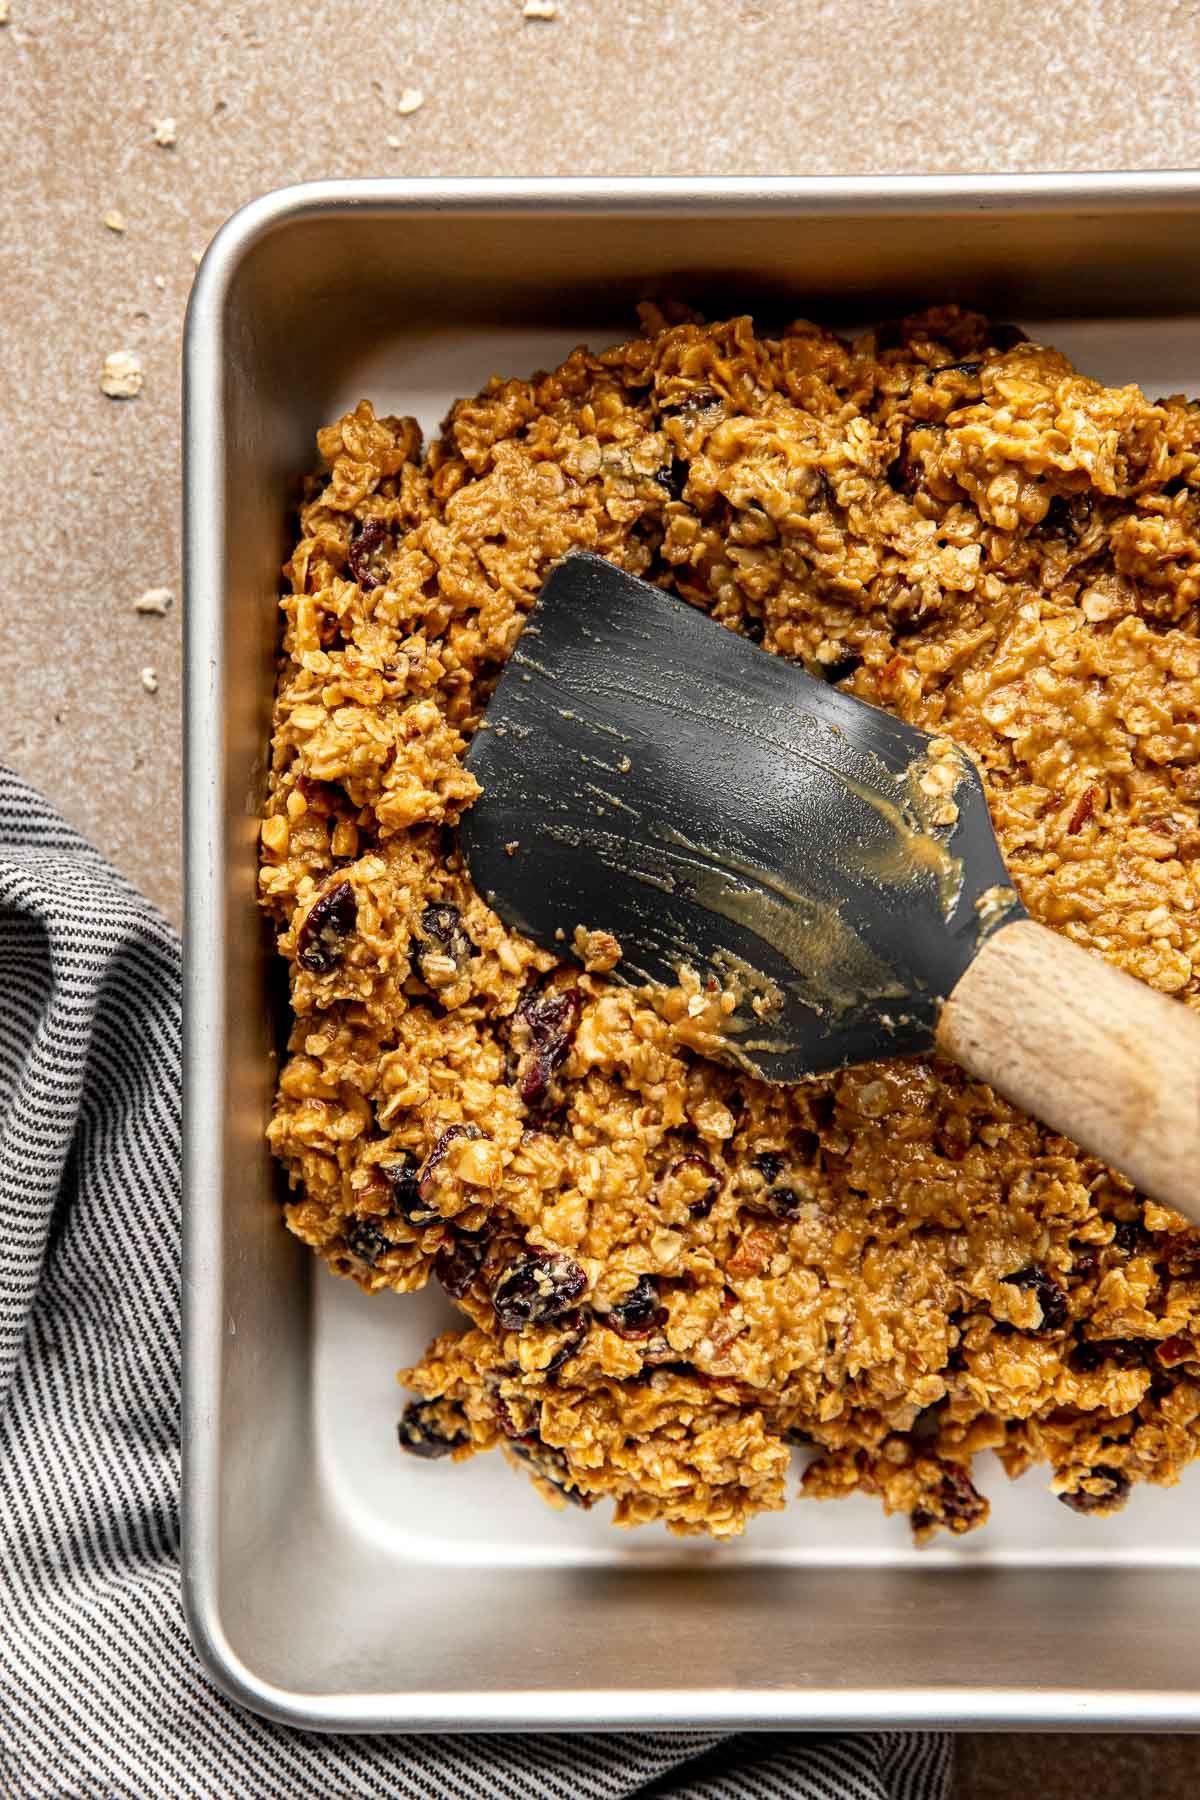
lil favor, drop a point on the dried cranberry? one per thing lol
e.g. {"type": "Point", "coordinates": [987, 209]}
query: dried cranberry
{"type": "Point", "coordinates": [444, 936]}
{"type": "Point", "coordinates": [330, 921]}
{"type": "Point", "coordinates": [1084, 808]}
{"type": "Point", "coordinates": [640, 1312]}
{"type": "Point", "coordinates": [364, 560]}
{"type": "Point", "coordinates": [1116, 1492]}
{"type": "Point", "coordinates": [699, 1209]}
{"type": "Point", "coordinates": [543, 1029]}
{"type": "Point", "coordinates": [401, 1178]}
{"type": "Point", "coordinates": [427, 1182]}
{"type": "Point", "coordinates": [365, 1241]}
{"type": "Point", "coordinates": [575, 1326]}
{"type": "Point", "coordinates": [519, 1426]}
{"type": "Point", "coordinates": [1177, 1349]}
{"type": "Point", "coordinates": [960, 1500]}
{"type": "Point", "coordinates": [457, 1264]}
{"type": "Point", "coordinates": [536, 1286]}
{"type": "Point", "coordinates": [425, 1429]}
{"type": "Point", "coordinates": [1050, 1297]}
{"type": "Point", "coordinates": [673, 477]}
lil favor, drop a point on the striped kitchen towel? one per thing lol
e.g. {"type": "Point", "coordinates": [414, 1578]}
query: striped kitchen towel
{"type": "Point", "coordinates": [101, 1694]}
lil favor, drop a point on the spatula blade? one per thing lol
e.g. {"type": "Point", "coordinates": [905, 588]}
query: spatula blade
{"type": "Point", "coordinates": [649, 773]}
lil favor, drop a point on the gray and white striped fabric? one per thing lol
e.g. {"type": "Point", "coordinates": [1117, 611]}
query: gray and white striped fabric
{"type": "Point", "coordinates": [100, 1692]}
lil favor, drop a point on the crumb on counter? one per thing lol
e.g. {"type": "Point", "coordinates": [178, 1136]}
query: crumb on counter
{"type": "Point", "coordinates": [114, 221]}
{"type": "Point", "coordinates": [121, 376]}
{"type": "Point", "coordinates": [540, 9]}
{"type": "Point", "coordinates": [156, 600]}
{"type": "Point", "coordinates": [164, 132]}
{"type": "Point", "coordinates": [150, 680]}
{"type": "Point", "coordinates": [411, 100]}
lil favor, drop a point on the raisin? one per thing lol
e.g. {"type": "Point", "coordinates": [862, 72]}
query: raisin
{"type": "Point", "coordinates": [640, 1312]}
{"type": "Point", "coordinates": [365, 1241]}
{"type": "Point", "coordinates": [1129, 1235]}
{"type": "Point", "coordinates": [575, 1326]}
{"type": "Point", "coordinates": [1182, 1252]}
{"type": "Point", "coordinates": [797, 1436]}
{"type": "Point", "coordinates": [542, 1032]}
{"type": "Point", "coordinates": [842, 669]}
{"type": "Point", "coordinates": [331, 919]}
{"type": "Point", "coordinates": [1050, 1297]}
{"type": "Point", "coordinates": [401, 1177]}
{"type": "Point", "coordinates": [427, 1181]}
{"type": "Point", "coordinates": [962, 1504]}
{"type": "Point", "coordinates": [1086, 1260]}
{"type": "Point", "coordinates": [1115, 1495]}
{"type": "Point", "coordinates": [446, 937]}
{"type": "Point", "coordinates": [428, 1428]}
{"type": "Point", "coordinates": [551, 1464]}
{"type": "Point", "coordinates": [699, 400]}
{"type": "Point", "coordinates": [700, 1208]}
{"type": "Point", "coordinates": [1068, 519]}
{"type": "Point", "coordinates": [1006, 337]}
{"type": "Point", "coordinates": [536, 1286]}
{"type": "Point", "coordinates": [1091, 1354]}
{"type": "Point", "coordinates": [673, 477]}
{"type": "Point", "coordinates": [368, 569]}
{"type": "Point", "coordinates": [959, 368]}
{"type": "Point", "coordinates": [457, 1264]}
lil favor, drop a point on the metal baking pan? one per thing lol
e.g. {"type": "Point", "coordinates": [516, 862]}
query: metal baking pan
{"type": "Point", "coordinates": [329, 1581]}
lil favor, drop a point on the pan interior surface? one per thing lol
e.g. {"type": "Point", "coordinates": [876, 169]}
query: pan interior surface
{"type": "Point", "coordinates": [330, 1581]}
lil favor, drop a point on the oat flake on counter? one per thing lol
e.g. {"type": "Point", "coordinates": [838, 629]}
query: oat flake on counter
{"type": "Point", "coordinates": [164, 132]}
{"type": "Point", "coordinates": [121, 377]}
{"type": "Point", "coordinates": [410, 101]}
{"type": "Point", "coordinates": [157, 600]}
{"type": "Point", "coordinates": [150, 680]}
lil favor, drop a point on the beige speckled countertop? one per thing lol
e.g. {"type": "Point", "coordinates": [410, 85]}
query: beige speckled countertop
{"type": "Point", "coordinates": [266, 94]}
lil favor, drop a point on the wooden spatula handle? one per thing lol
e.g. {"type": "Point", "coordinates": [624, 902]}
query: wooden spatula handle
{"type": "Point", "coordinates": [1087, 1049]}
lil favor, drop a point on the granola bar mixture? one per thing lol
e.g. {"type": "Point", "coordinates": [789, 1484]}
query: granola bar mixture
{"type": "Point", "coordinates": [669, 1272]}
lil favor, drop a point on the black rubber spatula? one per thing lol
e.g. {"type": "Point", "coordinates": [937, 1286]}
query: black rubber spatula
{"type": "Point", "coordinates": [648, 773]}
